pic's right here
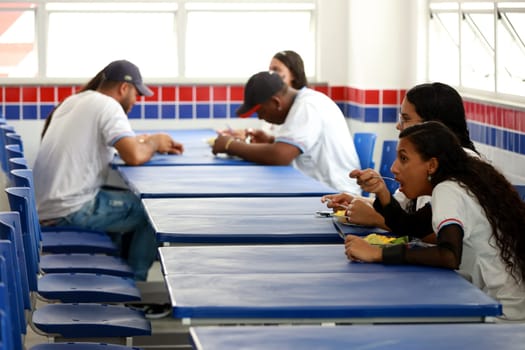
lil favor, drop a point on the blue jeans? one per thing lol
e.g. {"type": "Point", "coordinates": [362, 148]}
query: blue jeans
{"type": "Point", "coordinates": [119, 211]}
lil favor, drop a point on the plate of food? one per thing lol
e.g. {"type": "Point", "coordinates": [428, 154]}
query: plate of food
{"type": "Point", "coordinates": [382, 240]}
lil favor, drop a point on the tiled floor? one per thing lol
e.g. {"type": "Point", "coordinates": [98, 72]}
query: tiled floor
{"type": "Point", "coordinates": [164, 329]}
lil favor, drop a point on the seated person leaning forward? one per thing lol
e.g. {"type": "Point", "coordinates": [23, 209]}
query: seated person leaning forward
{"type": "Point", "coordinates": [313, 134]}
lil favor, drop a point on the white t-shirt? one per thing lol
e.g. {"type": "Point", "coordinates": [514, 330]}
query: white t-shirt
{"type": "Point", "coordinates": [317, 127]}
{"type": "Point", "coordinates": [480, 260]}
{"type": "Point", "coordinates": [73, 159]}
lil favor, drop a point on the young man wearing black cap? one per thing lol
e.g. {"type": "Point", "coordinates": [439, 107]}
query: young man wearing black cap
{"type": "Point", "coordinates": [313, 134]}
{"type": "Point", "coordinates": [73, 160]}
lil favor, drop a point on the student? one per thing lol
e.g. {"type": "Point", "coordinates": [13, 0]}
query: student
{"type": "Point", "coordinates": [423, 102]}
{"type": "Point", "coordinates": [479, 236]}
{"type": "Point", "coordinates": [290, 66]}
{"type": "Point", "coordinates": [313, 135]}
{"type": "Point", "coordinates": [73, 160]}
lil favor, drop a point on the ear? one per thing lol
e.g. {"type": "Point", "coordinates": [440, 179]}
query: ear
{"type": "Point", "coordinates": [277, 101]}
{"type": "Point", "coordinates": [123, 88]}
{"type": "Point", "coordinates": [432, 165]}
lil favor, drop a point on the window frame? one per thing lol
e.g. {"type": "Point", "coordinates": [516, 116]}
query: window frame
{"type": "Point", "coordinates": [463, 7]}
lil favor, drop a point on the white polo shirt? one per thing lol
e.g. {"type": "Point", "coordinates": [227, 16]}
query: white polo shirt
{"type": "Point", "coordinates": [316, 126]}
{"type": "Point", "coordinates": [480, 261]}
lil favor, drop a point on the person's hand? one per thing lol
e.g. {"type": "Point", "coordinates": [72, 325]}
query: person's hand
{"type": "Point", "coordinates": [237, 133]}
{"type": "Point", "coordinates": [165, 144]}
{"type": "Point", "coordinates": [370, 181]}
{"type": "Point", "coordinates": [258, 136]}
{"type": "Point", "coordinates": [361, 212]}
{"type": "Point", "coordinates": [222, 142]}
{"type": "Point", "coordinates": [337, 201]}
{"type": "Point", "coordinates": [357, 249]}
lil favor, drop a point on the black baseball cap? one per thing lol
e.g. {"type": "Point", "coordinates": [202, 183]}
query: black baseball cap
{"type": "Point", "coordinates": [123, 70]}
{"type": "Point", "coordinates": [259, 88]}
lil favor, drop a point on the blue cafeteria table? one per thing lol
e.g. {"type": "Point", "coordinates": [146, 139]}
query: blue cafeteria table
{"type": "Point", "coordinates": [288, 258]}
{"type": "Point", "coordinates": [379, 297]}
{"type": "Point", "coordinates": [221, 181]}
{"type": "Point", "coordinates": [377, 337]}
{"type": "Point", "coordinates": [273, 284]}
{"type": "Point", "coordinates": [244, 220]}
{"type": "Point", "coordinates": [197, 151]}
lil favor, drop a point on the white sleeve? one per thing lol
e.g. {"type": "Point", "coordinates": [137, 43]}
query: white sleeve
{"type": "Point", "coordinates": [448, 205]}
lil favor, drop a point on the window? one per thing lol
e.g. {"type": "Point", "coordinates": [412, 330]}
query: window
{"type": "Point", "coordinates": [84, 37]}
{"type": "Point", "coordinates": [226, 40]}
{"type": "Point", "coordinates": [182, 39]}
{"type": "Point", "coordinates": [444, 53]}
{"type": "Point", "coordinates": [511, 58]}
{"type": "Point", "coordinates": [17, 40]}
{"type": "Point", "coordinates": [478, 45]}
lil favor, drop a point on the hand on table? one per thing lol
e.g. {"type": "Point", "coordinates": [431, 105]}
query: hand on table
{"type": "Point", "coordinates": [165, 144]}
{"type": "Point", "coordinates": [222, 143]}
{"type": "Point", "coordinates": [357, 249]}
{"type": "Point", "coordinates": [360, 211]}
{"type": "Point", "coordinates": [259, 136]}
{"type": "Point", "coordinates": [237, 133]}
{"type": "Point", "coordinates": [337, 201]}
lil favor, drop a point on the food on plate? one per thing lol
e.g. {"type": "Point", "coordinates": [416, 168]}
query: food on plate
{"type": "Point", "coordinates": [340, 212]}
{"type": "Point", "coordinates": [378, 239]}
{"type": "Point", "coordinates": [211, 141]}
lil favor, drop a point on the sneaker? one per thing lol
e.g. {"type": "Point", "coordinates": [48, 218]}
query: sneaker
{"type": "Point", "coordinates": [152, 311]}
{"type": "Point", "coordinates": [157, 311]}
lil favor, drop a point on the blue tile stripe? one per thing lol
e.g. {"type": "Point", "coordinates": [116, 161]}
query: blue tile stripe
{"type": "Point", "coordinates": [497, 137]}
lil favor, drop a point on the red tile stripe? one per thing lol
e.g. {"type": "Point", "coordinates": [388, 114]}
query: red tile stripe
{"type": "Point", "coordinates": [505, 117]}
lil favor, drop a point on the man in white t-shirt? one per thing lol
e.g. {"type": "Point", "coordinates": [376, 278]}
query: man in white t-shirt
{"type": "Point", "coordinates": [77, 146]}
{"type": "Point", "coordinates": [313, 135]}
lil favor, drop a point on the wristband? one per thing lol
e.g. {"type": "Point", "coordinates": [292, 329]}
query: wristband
{"type": "Point", "coordinates": [228, 143]}
{"type": "Point", "coordinates": [394, 254]}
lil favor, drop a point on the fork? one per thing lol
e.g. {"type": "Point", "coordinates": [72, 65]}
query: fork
{"type": "Point", "coordinates": [384, 178]}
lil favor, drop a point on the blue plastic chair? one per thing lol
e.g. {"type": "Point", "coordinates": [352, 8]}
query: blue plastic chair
{"type": "Point", "coordinates": [4, 129]}
{"type": "Point", "coordinates": [364, 145]}
{"type": "Point", "coordinates": [12, 151]}
{"type": "Point", "coordinates": [521, 191]}
{"type": "Point", "coordinates": [13, 138]}
{"type": "Point", "coordinates": [66, 320]}
{"type": "Point", "coordinates": [388, 157]}
{"type": "Point", "coordinates": [17, 163]}
{"type": "Point", "coordinates": [64, 287]}
{"type": "Point", "coordinates": [64, 239]}
{"type": "Point", "coordinates": [81, 256]}
{"type": "Point", "coordinates": [13, 323]}
{"type": "Point", "coordinates": [11, 331]}
{"type": "Point", "coordinates": [14, 308]}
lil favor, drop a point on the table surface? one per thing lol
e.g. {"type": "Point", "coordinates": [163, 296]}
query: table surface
{"type": "Point", "coordinates": [197, 151]}
{"type": "Point", "coordinates": [377, 337]}
{"type": "Point", "coordinates": [221, 181]}
{"type": "Point", "coordinates": [288, 258]}
{"type": "Point", "coordinates": [244, 220]}
{"type": "Point", "coordinates": [279, 283]}
{"type": "Point", "coordinates": [264, 298]}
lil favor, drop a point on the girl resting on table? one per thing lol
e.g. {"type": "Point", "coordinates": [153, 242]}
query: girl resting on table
{"type": "Point", "coordinates": [478, 216]}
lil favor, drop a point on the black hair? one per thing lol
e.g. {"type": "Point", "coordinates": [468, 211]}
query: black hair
{"type": "Point", "coordinates": [500, 201]}
{"type": "Point", "coordinates": [441, 102]}
{"type": "Point", "coordinates": [293, 61]}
